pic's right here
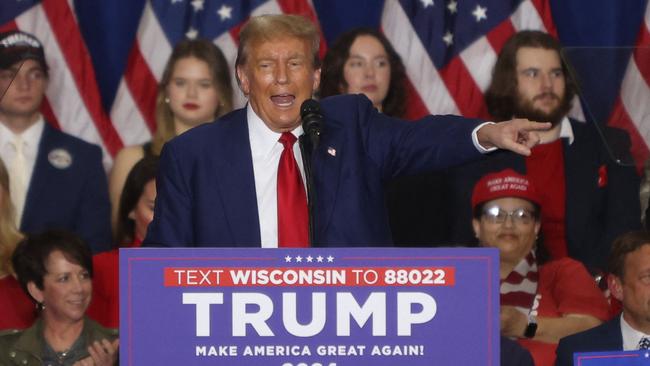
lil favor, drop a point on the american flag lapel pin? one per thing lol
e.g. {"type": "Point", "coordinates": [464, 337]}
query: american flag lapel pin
{"type": "Point", "coordinates": [331, 151]}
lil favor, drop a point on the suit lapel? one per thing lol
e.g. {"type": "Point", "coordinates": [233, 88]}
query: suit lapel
{"type": "Point", "coordinates": [38, 181]}
{"type": "Point", "coordinates": [326, 167]}
{"type": "Point", "coordinates": [236, 182]}
{"type": "Point", "coordinates": [577, 166]}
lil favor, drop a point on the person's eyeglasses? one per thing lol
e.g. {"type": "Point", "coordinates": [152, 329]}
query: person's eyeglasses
{"type": "Point", "coordinates": [497, 215]}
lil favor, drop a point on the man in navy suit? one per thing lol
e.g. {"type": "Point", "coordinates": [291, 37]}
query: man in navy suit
{"type": "Point", "coordinates": [588, 197]}
{"type": "Point", "coordinates": [629, 282]}
{"type": "Point", "coordinates": [217, 184]}
{"type": "Point", "coordinates": [56, 180]}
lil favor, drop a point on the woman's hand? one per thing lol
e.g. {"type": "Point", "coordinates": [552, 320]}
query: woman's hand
{"type": "Point", "coordinates": [513, 322]}
{"type": "Point", "coordinates": [102, 353]}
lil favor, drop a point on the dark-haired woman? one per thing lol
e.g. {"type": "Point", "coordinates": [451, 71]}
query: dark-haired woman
{"type": "Point", "coordinates": [55, 269]}
{"type": "Point", "coordinates": [135, 212]}
{"type": "Point", "coordinates": [362, 61]}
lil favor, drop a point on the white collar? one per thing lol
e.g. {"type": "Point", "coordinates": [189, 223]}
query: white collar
{"type": "Point", "coordinates": [31, 136]}
{"type": "Point", "coordinates": [631, 336]}
{"type": "Point", "coordinates": [566, 132]}
{"type": "Point", "coordinates": [262, 138]}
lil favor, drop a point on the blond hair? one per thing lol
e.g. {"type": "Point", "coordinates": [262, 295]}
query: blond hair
{"type": "Point", "coordinates": [203, 50]}
{"type": "Point", "coordinates": [276, 26]}
{"type": "Point", "coordinates": [9, 235]}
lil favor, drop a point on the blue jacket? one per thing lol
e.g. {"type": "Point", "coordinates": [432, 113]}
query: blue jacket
{"type": "Point", "coordinates": [605, 337]}
{"type": "Point", "coordinates": [70, 196]}
{"type": "Point", "coordinates": [206, 190]}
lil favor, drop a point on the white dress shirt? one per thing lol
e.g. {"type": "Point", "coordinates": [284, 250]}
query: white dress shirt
{"type": "Point", "coordinates": [31, 138]}
{"type": "Point", "coordinates": [266, 151]}
{"type": "Point", "coordinates": [631, 336]}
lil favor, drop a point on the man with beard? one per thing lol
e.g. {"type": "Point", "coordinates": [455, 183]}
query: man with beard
{"type": "Point", "coordinates": [588, 198]}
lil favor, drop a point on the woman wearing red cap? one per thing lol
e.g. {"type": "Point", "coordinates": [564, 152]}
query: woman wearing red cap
{"type": "Point", "coordinates": [541, 302]}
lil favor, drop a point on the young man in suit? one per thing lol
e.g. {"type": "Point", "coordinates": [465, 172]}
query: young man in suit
{"type": "Point", "coordinates": [588, 197]}
{"type": "Point", "coordinates": [224, 183]}
{"type": "Point", "coordinates": [629, 282]}
{"type": "Point", "coordinates": [57, 180]}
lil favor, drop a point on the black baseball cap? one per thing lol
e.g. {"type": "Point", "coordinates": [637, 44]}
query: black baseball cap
{"type": "Point", "coordinates": [16, 46]}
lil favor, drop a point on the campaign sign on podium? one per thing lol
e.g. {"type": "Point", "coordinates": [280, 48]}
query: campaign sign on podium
{"type": "Point", "coordinates": [309, 307]}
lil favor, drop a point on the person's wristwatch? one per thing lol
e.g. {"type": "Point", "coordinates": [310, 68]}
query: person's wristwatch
{"type": "Point", "coordinates": [531, 328]}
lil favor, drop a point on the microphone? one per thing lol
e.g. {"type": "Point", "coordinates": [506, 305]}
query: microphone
{"type": "Point", "coordinates": [312, 120]}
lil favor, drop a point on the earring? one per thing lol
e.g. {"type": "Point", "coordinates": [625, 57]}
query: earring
{"type": "Point", "coordinates": [167, 100]}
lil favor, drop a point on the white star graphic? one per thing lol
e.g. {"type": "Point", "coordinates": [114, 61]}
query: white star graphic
{"type": "Point", "coordinates": [225, 12]}
{"type": "Point", "coordinates": [448, 38]}
{"type": "Point", "coordinates": [191, 33]}
{"type": "Point", "coordinates": [287, 259]}
{"type": "Point", "coordinates": [427, 3]}
{"type": "Point", "coordinates": [310, 259]}
{"type": "Point", "coordinates": [197, 4]}
{"type": "Point", "coordinates": [452, 6]}
{"type": "Point", "coordinates": [330, 259]}
{"type": "Point", "coordinates": [319, 259]}
{"type": "Point", "coordinates": [298, 259]}
{"type": "Point", "coordinates": [480, 13]}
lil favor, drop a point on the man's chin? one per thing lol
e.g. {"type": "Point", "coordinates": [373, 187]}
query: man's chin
{"type": "Point", "coordinates": [555, 117]}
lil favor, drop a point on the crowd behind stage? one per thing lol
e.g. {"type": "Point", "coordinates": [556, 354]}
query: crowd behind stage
{"type": "Point", "coordinates": [566, 216]}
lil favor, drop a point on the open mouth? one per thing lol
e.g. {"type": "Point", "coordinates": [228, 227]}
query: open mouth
{"type": "Point", "coordinates": [79, 302]}
{"type": "Point", "coordinates": [283, 100]}
{"type": "Point", "coordinates": [191, 106]}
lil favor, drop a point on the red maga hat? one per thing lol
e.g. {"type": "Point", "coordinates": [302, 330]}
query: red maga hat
{"type": "Point", "coordinates": [506, 183]}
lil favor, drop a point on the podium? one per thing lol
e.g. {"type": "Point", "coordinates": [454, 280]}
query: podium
{"type": "Point", "coordinates": [316, 307]}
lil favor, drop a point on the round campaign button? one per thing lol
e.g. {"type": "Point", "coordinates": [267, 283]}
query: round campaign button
{"type": "Point", "coordinates": [60, 158]}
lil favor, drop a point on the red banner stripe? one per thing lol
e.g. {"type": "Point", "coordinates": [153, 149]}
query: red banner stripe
{"type": "Point", "coordinates": [72, 46]}
{"type": "Point", "coordinates": [143, 86]}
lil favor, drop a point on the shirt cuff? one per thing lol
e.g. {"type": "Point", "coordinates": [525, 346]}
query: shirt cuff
{"type": "Point", "coordinates": [478, 146]}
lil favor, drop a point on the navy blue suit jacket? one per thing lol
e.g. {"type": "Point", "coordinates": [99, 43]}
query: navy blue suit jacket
{"type": "Point", "coordinates": [605, 337]}
{"type": "Point", "coordinates": [206, 190]}
{"type": "Point", "coordinates": [73, 198]}
{"type": "Point", "coordinates": [595, 214]}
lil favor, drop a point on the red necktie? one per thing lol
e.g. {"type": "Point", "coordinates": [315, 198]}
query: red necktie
{"type": "Point", "coordinates": [293, 220]}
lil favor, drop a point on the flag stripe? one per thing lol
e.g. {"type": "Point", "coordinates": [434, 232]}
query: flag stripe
{"type": "Point", "coordinates": [463, 89]}
{"type": "Point", "coordinates": [419, 67]}
{"type": "Point", "coordinates": [501, 33]}
{"type": "Point", "coordinates": [543, 10]}
{"type": "Point", "coordinates": [142, 85]}
{"type": "Point", "coordinates": [76, 56]}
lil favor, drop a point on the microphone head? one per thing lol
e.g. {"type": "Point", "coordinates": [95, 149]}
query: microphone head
{"type": "Point", "coordinates": [309, 106]}
{"type": "Point", "coordinates": [312, 119]}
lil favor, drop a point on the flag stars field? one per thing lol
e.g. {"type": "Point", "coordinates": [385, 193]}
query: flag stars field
{"type": "Point", "coordinates": [225, 12]}
{"type": "Point", "coordinates": [480, 13]}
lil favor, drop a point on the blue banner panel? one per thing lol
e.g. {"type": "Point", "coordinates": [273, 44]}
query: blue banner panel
{"type": "Point", "coordinates": [316, 307]}
{"type": "Point", "coordinates": [619, 358]}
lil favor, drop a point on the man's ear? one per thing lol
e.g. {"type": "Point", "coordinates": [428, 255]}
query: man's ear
{"type": "Point", "coordinates": [316, 79]}
{"type": "Point", "coordinates": [35, 292]}
{"type": "Point", "coordinates": [615, 286]}
{"type": "Point", "coordinates": [244, 83]}
{"type": "Point", "coordinates": [477, 227]}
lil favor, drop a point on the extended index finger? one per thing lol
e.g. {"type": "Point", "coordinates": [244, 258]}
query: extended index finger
{"type": "Point", "coordinates": [524, 124]}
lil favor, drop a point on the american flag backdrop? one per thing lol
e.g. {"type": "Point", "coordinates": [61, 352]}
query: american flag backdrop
{"type": "Point", "coordinates": [104, 69]}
